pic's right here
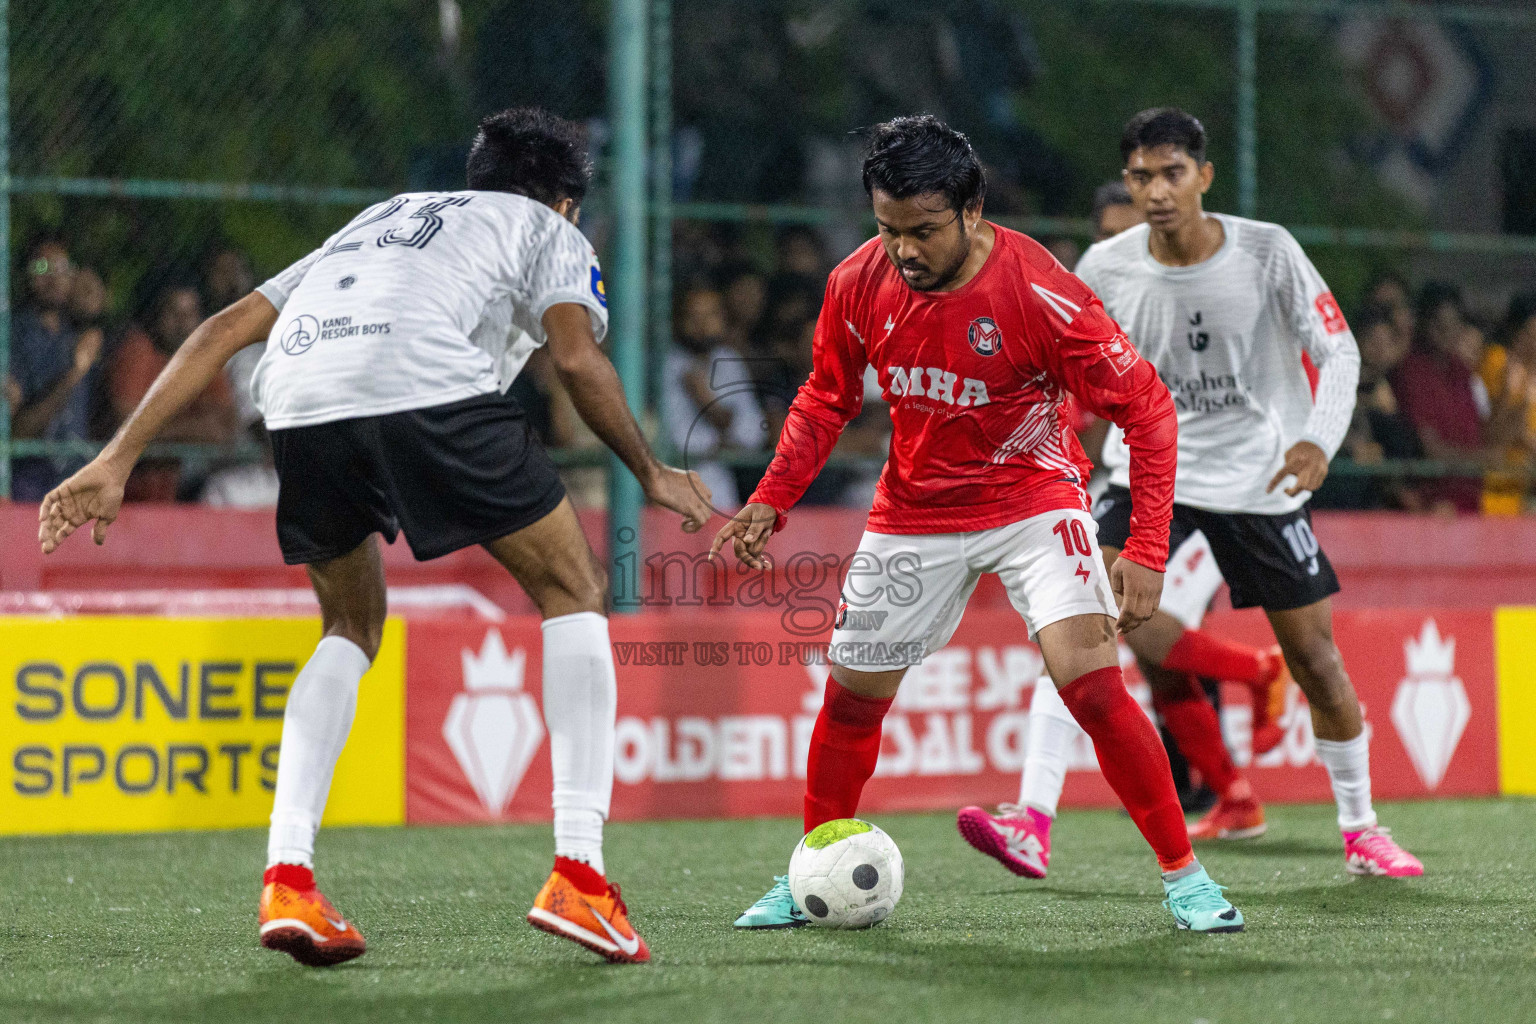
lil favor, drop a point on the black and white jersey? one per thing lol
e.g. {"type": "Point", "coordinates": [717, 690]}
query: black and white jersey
{"type": "Point", "coordinates": [422, 300]}
{"type": "Point", "coordinates": [1227, 336]}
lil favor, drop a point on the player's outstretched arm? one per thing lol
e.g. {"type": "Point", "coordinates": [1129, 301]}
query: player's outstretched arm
{"type": "Point", "coordinates": [593, 384]}
{"type": "Point", "coordinates": [96, 492]}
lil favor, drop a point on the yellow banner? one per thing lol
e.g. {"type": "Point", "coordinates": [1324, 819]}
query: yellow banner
{"type": "Point", "coordinates": [1515, 636]}
{"type": "Point", "coordinates": [128, 724]}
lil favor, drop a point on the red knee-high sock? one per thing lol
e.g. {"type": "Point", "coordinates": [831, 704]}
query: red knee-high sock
{"type": "Point", "coordinates": [1194, 725]}
{"type": "Point", "coordinates": [1201, 654]}
{"type": "Point", "coordinates": [844, 748]}
{"type": "Point", "coordinates": [1133, 761]}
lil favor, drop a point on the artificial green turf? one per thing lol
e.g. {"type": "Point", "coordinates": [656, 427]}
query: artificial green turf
{"type": "Point", "coordinates": [163, 928]}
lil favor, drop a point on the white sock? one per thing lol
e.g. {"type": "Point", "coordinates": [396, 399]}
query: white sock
{"type": "Point", "coordinates": [1349, 769]}
{"type": "Point", "coordinates": [315, 726]}
{"type": "Point", "coordinates": [1051, 731]}
{"type": "Point", "coordinates": [580, 704]}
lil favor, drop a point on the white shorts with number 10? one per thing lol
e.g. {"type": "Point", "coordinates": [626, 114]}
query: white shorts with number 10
{"type": "Point", "coordinates": [904, 593]}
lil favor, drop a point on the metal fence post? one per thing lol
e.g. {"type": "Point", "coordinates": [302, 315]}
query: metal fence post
{"type": "Point", "coordinates": [1247, 108]}
{"type": "Point", "coordinates": [661, 196]}
{"type": "Point", "coordinates": [627, 89]}
{"type": "Point", "coordinates": [5, 246]}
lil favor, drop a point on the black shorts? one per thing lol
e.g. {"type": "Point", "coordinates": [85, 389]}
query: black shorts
{"type": "Point", "coordinates": [1269, 562]}
{"type": "Point", "coordinates": [452, 476]}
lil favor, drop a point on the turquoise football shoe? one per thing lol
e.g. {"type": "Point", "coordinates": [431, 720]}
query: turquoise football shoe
{"type": "Point", "coordinates": [1199, 906]}
{"type": "Point", "coordinates": [775, 910]}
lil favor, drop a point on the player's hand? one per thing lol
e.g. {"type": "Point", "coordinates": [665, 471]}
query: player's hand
{"type": "Point", "coordinates": [1307, 463]}
{"type": "Point", "coordinates": [94, 493]}
{"type": "Point", "coordinates": [684, 493]}
{"type": "Point", "coordinates": [1138, 590]}
{"type": "Point", "coordinates": [748, 532]}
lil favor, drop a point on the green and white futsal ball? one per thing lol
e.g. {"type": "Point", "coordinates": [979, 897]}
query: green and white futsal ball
{"type": "Point", "coordinates": [846, 874]}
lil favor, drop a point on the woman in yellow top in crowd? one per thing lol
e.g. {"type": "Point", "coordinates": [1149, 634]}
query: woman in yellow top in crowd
{"type": "Point", "coordinates": [1508, 371]}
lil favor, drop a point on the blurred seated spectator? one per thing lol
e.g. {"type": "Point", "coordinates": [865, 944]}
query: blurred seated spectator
{"type": "Point", "coordinates": [173, 312]}
{"type": "Point", "coordinates": [1439, 390]}
{"type": "Point", "coordinates": [228, 278]}
{"type": "Point", "coordinates": [56, 342]}
{"type": "Point", "coordinates": [746, 296]}
{"type": "Point", "coordinates": [709, 404]}
{"type": "Point", "coordinates": [1066, 250]}
{"type": "Point", "coordinates": [1379, 429]}
{"type": "Point", "coordinates": [1113, 210]}
{"type": "Point", "coordinates": [799, 250]}
{"type": "Point", "coordinates": [1508, 371]}
{"type": "Point", "coordinates": [790, 301]}
{"type": "Point", "coordinates": [1389, 289]}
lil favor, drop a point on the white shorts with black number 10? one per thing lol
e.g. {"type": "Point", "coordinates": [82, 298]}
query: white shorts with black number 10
{"type": "Point", "coordinates": [904, 593]}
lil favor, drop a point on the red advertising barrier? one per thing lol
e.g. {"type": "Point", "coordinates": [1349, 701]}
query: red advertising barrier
{"type": "Point", "coordinates": [715, 713]}
{"type": "Point", "coordinates": [1384, 559]}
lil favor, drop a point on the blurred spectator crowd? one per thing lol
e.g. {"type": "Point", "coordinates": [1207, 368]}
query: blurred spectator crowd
{"type": "Point", "coordinates": [1437, 381]}
{"type": "Point", "coordinates": [77, 371]}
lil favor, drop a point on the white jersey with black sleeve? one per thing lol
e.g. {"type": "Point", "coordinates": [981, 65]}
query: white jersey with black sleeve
{"type": "Point", "coordinates": [422, 300]}
{"type": "Point", "coordinates": [1227, 337]}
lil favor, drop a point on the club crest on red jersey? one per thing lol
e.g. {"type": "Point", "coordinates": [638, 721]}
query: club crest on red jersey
{"type": "Point", "coordinates": [985, 336]}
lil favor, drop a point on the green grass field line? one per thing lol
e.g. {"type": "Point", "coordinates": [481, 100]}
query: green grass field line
{"type": "Point", "coordinates": [162, 928]}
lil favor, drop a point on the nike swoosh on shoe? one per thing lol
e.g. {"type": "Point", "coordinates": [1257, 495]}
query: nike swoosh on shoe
{"type": "Point", "coordinates": [628, 946]}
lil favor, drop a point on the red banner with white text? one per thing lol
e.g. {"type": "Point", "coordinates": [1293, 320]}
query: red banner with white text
{"type": "Point", "coordinates": [715, 714]}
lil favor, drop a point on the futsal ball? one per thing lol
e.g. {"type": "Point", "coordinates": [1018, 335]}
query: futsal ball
{"type": "Point", "coordinates": [846, 874]}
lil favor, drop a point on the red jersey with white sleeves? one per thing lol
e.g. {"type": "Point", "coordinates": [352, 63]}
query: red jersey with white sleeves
{"type": "Point", "coordinates": [977, 381]}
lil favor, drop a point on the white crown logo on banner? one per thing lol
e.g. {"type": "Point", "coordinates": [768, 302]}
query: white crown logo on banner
{"type": "Point", "coordinates": [1430, 709]}
{"type": "Point", "coordinates": [494, 728]}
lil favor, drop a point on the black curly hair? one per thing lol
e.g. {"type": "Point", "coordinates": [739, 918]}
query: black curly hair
{"type": "Point", "coordinates": [530, 152]}
{"type": "Point", "coordinates": [1164, 126]}
{"type": "Point", "coordinates": [921, 155]}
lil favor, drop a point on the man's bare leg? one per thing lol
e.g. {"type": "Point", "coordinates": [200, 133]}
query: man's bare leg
{"type": "Point", "coordinates": [1306, 637]}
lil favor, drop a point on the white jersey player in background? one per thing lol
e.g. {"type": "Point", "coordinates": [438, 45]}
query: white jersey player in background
{"type": "Point", "coordinates": [389, 350]}
{"type": "Point", "coordinates": [1225, 308]}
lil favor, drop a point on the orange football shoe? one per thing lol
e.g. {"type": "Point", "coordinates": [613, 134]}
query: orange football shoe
{"type": "Point", "coordinates": [579, 904]}
{"type": "Point", "coordinates": [1230, 819]}
{"type": "Point", "coordinates": [297, 919]}
{"type": "Point", "coordinates": [1269, 705]}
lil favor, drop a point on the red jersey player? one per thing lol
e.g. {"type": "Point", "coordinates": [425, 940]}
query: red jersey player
{"type": "Point", "coordinates": [977, 335]}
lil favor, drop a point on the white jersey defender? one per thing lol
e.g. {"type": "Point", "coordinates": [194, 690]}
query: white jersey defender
{"type": "Point", "coordinates": [421, 300]}
{"type": "Point", "coordinates": [1227, 336]}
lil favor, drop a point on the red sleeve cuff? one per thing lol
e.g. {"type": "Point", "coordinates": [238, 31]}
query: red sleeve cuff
{"type": "Point", "coordinates": [779, 517]}
{"type": "Point", "coordinates": [1141, 555]}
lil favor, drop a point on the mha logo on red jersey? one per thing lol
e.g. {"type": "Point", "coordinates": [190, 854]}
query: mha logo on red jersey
{"type": "Point", "coordinates": [985, 336]}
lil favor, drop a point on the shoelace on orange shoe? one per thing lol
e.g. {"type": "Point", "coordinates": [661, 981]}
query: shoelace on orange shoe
{"type": "Point", "coordinates": [613, 891]}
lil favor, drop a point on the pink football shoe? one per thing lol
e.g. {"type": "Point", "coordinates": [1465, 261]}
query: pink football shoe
{"type": "Point", "coordinates": [1374, 852]}
{"type": "Point", "coordinates": [1017, 837]}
